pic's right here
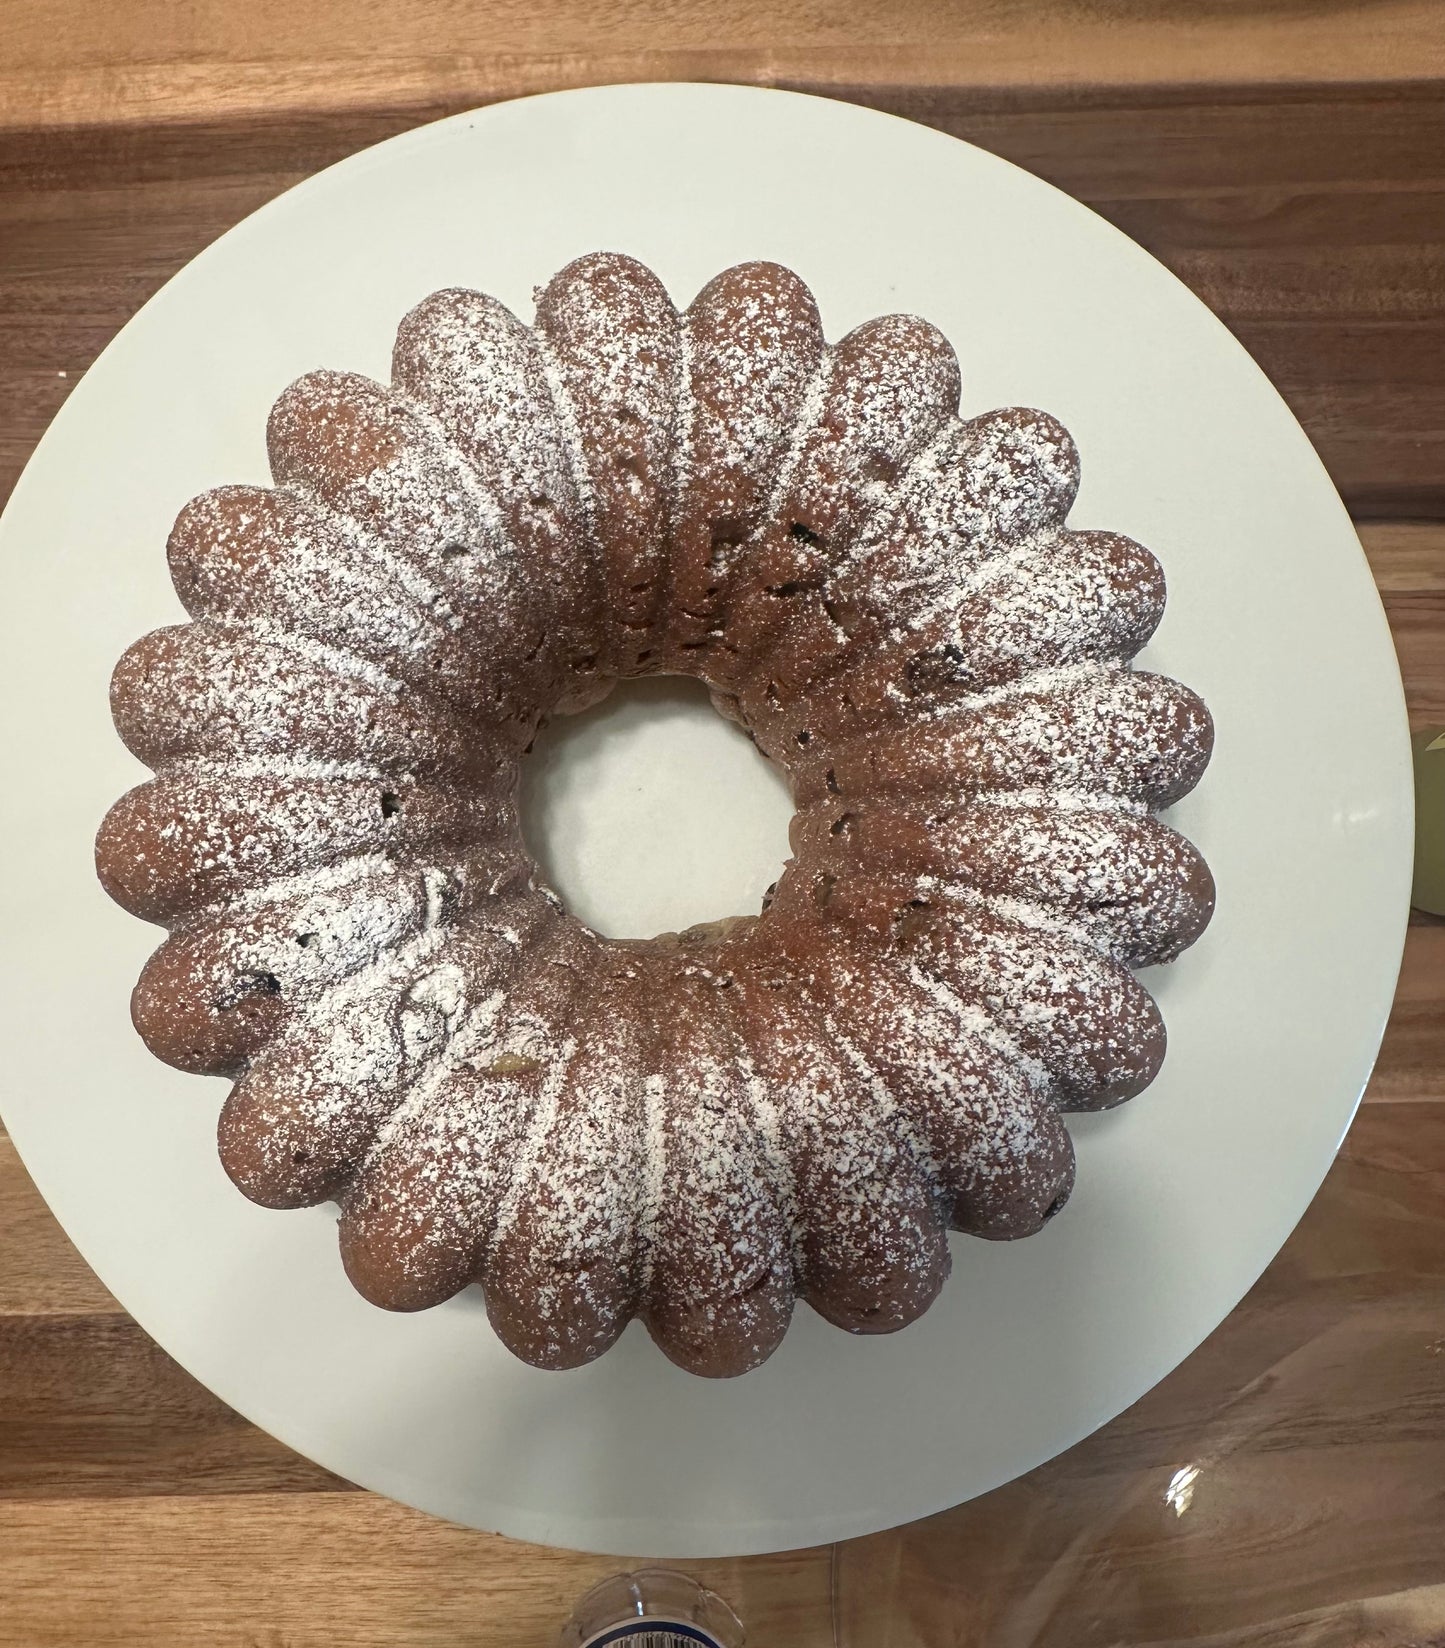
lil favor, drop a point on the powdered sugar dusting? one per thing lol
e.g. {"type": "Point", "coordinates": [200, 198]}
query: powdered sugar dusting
{"type": "Point", "coordinates": [695, 1128]}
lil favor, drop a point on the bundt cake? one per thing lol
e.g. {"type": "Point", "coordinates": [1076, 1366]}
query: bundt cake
{"type": "Point", "coordinates": [698, 1128]}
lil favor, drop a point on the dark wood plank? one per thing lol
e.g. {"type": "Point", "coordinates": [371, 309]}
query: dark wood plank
{"type": "Point", "coordinates": [1417, 623]}
{"type": "Point", "coordinates": [1411, 1065]}
{"type": "Point", "coordinates": [1313, 224]}
{"type": "Point", "coordinates": [1408, 561]}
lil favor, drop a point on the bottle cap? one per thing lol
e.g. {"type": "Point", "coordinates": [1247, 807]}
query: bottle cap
{"type": "Point", "coordinates": [652, 1608]}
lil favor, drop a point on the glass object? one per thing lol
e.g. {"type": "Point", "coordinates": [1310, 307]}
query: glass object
{"type": "Point", "coordinates": [652, 1608]}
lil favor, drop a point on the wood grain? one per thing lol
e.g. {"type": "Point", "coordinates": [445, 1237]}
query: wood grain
{"type": "Point", "coordinates": [1281, 1487]}
{"type": "Point", "coordinates": [1314, 225]}
{"type": "Point", "coordinates": [1313, 1416]}
{"type": "Point", "coordinates": [1287, 160]}
{"type": "Point", "coordinates": [68, 61]}
{"type": "Point", "coordinates": [314, 1571]}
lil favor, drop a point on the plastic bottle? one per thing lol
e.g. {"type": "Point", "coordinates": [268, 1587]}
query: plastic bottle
{"type": "Point", "coordinates": [652, 1608]}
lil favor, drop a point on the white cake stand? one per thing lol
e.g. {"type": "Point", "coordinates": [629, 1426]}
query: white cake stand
{"type": "Point", "coordinates": [1274, 1018]}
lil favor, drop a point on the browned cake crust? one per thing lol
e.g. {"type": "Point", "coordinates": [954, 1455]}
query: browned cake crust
{"type": "Point", "coordinates": [700, 1128]}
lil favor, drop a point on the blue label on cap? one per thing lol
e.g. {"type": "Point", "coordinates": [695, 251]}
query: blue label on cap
{"type": "Point", "coordinates": [654, 1633]}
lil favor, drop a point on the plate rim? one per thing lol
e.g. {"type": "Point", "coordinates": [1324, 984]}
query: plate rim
{"type": "Point", "coordinates": [762, 1534]}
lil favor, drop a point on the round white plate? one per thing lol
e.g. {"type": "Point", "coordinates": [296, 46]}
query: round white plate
{"type": "Point", "coordinates": [1274, 1017]}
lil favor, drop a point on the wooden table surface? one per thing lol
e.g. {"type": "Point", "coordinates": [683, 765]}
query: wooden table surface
{"type": "Point", "coordinates": [1286, 1486]}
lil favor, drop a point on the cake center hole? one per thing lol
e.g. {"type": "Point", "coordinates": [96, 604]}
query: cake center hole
{"type": "Point", "coordinates": [650, 812]}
